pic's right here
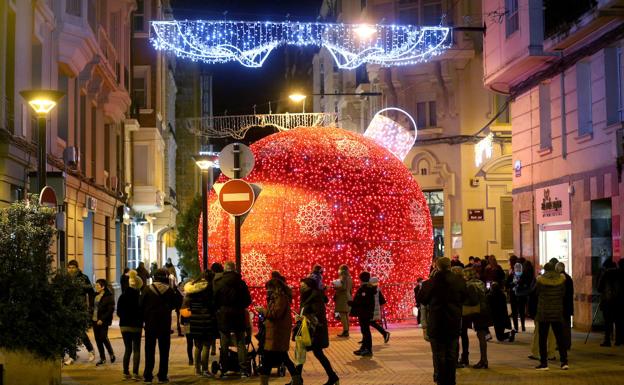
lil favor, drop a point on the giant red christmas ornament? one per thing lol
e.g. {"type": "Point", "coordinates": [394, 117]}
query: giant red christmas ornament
{"type": "Point", "coordinates": [332, 197]}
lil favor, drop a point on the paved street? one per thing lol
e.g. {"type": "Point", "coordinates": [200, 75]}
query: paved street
{"type": "Point", "coordinates": [405, 360]}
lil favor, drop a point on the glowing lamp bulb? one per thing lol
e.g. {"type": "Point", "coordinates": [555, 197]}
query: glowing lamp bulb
{"type": "Point", "coordinates": [42, 101]}
{"type": "Point", "coordinates": [297, 97]}
{"type": "Point", "coordinates": [365, 31]}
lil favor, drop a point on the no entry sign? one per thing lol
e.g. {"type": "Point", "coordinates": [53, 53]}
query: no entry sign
{"type": "Point", "coordinates": [236, 197]}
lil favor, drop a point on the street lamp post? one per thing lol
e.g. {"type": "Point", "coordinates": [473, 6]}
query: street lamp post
{"type": "Point", "coordinates": [205, 161]}
{"type": "Point", "coordinates": [298, 98]}
{"type": "Point", "coordinates": [42, 102]}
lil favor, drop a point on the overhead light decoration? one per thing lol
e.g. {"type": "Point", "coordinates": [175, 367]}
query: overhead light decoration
{"type": "Point", "coordinates": [483, 149]}
{"type": "Point", "coordinates": [251, 42]}
{"type": "Point", "coordinates": [391, 134]}
{"type": "Point", "coordinates": [316, 207]}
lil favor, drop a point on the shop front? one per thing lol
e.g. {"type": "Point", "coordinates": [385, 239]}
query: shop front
{"type": "Point", "coordinates": [552, 210]}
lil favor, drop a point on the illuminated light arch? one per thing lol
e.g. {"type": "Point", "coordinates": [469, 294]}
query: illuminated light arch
{"type": "Point", "coordinates": [391, 134]}
{"type": "Point", "coordinates": [250, 43]}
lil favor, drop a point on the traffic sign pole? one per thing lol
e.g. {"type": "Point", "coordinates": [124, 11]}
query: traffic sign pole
{"type": "Point", "coordinates": [237, 219]}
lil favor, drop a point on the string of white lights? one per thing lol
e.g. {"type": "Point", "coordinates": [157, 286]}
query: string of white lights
{"type": "Point", "coordinates": [236, 126]}
{"type": "Point", "coordinates": [250, 43]}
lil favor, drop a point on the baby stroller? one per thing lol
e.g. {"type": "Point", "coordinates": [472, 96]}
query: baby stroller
{"type": "Point", "coordinates": [229, 362]}
{"type": "Point", "coordinates": [261, 336]}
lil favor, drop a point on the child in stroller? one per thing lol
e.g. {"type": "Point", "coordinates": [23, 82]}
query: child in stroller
{"type": "Point", "coordinates": [228, 363]}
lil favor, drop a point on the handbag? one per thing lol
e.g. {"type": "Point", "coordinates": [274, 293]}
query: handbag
{"type": "Point", "coordinates": [302, 341]}
{"type": "Point", "coordinates": [471, 309]}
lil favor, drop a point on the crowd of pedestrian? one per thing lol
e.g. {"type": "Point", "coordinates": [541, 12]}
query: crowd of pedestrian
{"type": "Point", "coordinates": [454, 300]}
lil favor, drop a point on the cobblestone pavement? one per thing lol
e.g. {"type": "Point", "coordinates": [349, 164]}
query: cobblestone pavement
{"type": "Point", "coordinates": [406, 359]}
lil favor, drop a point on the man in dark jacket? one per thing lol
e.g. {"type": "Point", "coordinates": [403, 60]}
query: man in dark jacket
{"type": "Point", "coordinates": [609, 287]}
{"type": "Point", "coordinates": [363, 307]}
{"type": "Point", "coordinates": [158, 302]}
{"type": "Point", "coordinates": [231, 300]}
{"type": "Point", "coordinates": [444, 297]}
{"type": "Point", "coordinates": [550, 289]}
{"type": "Point", "coordinates": [88, 294]}
{"type": "Point", "coordinates": [568, 305]}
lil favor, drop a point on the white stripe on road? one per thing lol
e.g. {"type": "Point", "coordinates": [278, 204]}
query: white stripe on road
{"type": "Point", "coordinates": [236, 197]}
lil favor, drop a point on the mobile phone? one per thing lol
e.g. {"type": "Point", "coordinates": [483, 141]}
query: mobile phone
{"type": "Point", "coordinates": [488, 285]}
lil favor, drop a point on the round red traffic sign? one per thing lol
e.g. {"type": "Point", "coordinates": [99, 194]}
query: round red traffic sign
{"type": "Point", "coordinates": [47, 197]}
{"type": "Point", "coordinates": [236, 197]}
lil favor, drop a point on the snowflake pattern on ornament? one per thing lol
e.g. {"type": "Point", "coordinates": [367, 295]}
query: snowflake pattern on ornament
{"type": "Point", "coordinates": [379, 263]}
{"type": "Point", "coordinates": [407, 303]}
{"type": "Point", "coordinates": [255, 267]}
{"type": "Point", "coordinates": [351, 148]}
{"type": "Point", "coordinates": [214, 217]}
{"type": "Point", "coordinates": [314, 218]}
{"type": "Point", "coordinates": [417, 217]}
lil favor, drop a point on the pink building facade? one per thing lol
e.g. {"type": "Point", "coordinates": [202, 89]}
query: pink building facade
{"type": "Point", "coordinates": [560, 64]}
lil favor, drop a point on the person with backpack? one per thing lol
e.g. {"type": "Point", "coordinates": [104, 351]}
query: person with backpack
{"type": "Point", "coordinates": [159, 300]}
{"type": "Point", "coordinates": [131, 324]}
{"type": "Point", "coordinates": [232, 298]}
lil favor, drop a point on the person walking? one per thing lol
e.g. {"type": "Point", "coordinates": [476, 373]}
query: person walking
{"type": "Point", "coordinates": [476, 315]}
{"type": "Point", "coordinates": [88, 294]}
{"type": "Point", "coordinates": [278, 326]}
{"type": "Point", "coordinates": [312, 306]}
{"type": "Point", "coordinates": [158, 302]}
{"type": "Point", "coordinates": [497, 303]}
{"type": "Point", "coordinates": [444, 296]}
{"type": "Point", "coordinates": [143, 273]}
{"type": "Point", "coordinates": [317, 276]}
{"type": "Point", "coordinates": [609, 287]}
{"type": "Point", "coordinates": [568, 305]}
{"type": "Point", "coordinates": [363, 307]}
{"type": "Point", "coordinates": [103, 309]}
{"type": "Point", "coordinates": [377, 322]}
{"type": "Point", "coordinates": [199, 301]}
{"type": "Point", "coordinates": [232, 299]}
{"type": "Point", "coordinates": [131, 324]}
{"type": "Point", "coordinates": [343, 287]}
{"type": "Point", "coordinates": [550, 290]}
{"type": "Point", "coordinates": [173, 284]}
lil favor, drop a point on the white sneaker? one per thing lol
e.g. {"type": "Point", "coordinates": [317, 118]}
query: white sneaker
{"type": "Point", "coordinates": [91, 356]}
{"type": "Point", "coordinates": [68, 361]}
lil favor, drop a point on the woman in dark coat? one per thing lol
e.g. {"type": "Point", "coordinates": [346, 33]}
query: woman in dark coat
{"type": "Point", "coordinates": [131, 324]}
{"type": "Point", "coordinates": [497, 302]}
{"type": "Point", "coordinates": [278, 324]}
{"type": "Point", "coordinates": [478, 319]}
{"type": "Point", "coordinates": [313, 302]}
{"type": "Point", "coordinates": [103, 309]}
{"type": "Point", "coordinates": [199, 300]}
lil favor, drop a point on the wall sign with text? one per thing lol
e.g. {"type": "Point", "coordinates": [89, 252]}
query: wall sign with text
{"type": "Point", "coordinates": [476, 214]}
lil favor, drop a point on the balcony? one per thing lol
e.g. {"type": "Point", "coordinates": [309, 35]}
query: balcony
{"type": "Point", "coordinates": [560, 15]}
{"type": "Point", "coordinates": [148, 162]}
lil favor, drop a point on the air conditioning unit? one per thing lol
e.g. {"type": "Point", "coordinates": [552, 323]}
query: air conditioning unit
{"type": "Point", "coordinates": [71, 157]}
{"type": "Point", "coordinates": [91, 203]}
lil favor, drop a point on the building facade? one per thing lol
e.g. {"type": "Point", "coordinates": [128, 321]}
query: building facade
{"type": "Point", "coordinates": [151, 143]}
{"type": "Point", "coordinates": [470, 204]}
{"type": "Point", "coordinates": [560, 63]}
{"type": "Point", "coordinates": [81, 47]}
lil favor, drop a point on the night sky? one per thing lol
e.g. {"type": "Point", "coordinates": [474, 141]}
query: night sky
{"type": "Point", "coordinates": [237, 88]}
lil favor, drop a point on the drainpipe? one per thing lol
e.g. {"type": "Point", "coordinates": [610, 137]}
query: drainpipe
{"type": "Point", "coordinates": [564, 141]}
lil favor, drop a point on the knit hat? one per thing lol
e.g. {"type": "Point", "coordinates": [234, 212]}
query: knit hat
{"type": "Point", "coordinates": [135, 281]}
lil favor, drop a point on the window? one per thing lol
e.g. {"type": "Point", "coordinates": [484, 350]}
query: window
{"type": "Point", "coordinates": [613, 85]}
{"type": "Point", "coordinates": [17, 193]}
{"type": "Point", "coordinates": [435, 201]}
{"type": "Point", "coordinates": [426, 114]}
{"type": "Point", "coordinates": [140, 88]}
{"type": "Point", "coordinates": [138, 19]}
{"type": "Point", "coordinates": [583, 92]}
{"type": "Point", "coordinates": [94, 143]}
{"type": "Point", "coordinates": [499, 104]}
{"type": "Point", "coordinates": [420, 12]}
{"type": "Point", "coordinates": [544, 111]}
{"type": "Point", "coordinates": [92, 15]}
{"type": "Point", "coordinates": [362, 4]}
{"type": "Point", "coordinates": [526, 235]}
{"type": "Point", "coordinates": [512, 19]}
{"type": "Point", "coordinates": [63, 108]}
{"type": "Point", "coordinates": [36, 65]}
{"type": "Point", "coordinates": [73, 7]}
{"type": "Point", "coordinates": [134, 245]}
{"type": "Point", "coordinates": [83, 134]}
{"type": "Point", "coordinates": [506, 223]}
{"type": "Point", "coordinates": [140, 165]}
{"type": "Point", "coordinates": [322, 78]}
{"type": "Point", "coordinates": [107, 147]}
